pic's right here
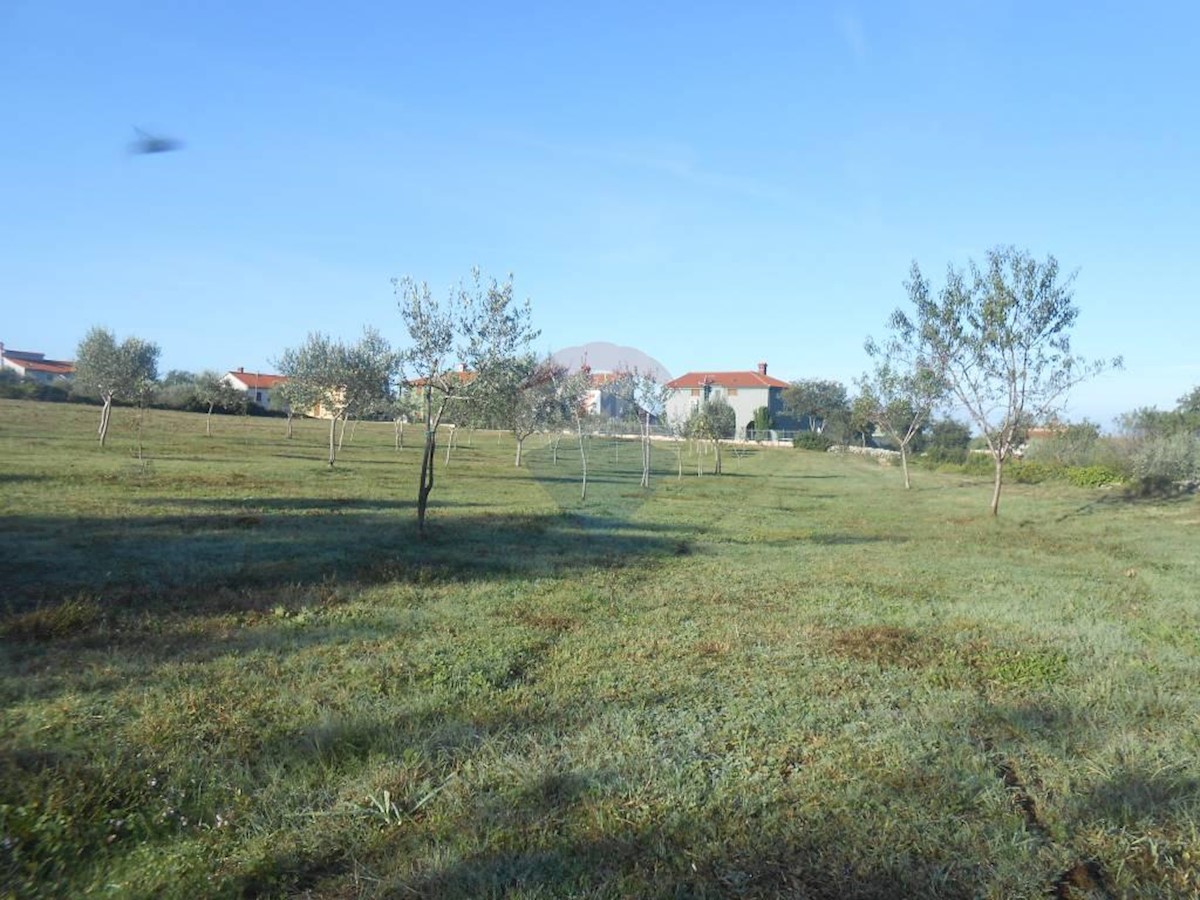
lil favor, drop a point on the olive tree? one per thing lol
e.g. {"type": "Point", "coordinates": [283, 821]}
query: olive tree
{"type": "Point", "coordinates": [522, 397]}
{"type": "Point", "coordinates": [712, 421]}
{"type": "Point", "coordinates": [212, 390]}
{"type": "Point", "coordinates": [458, 345]}
{"type": "Point", "coordinates": [344, 379]}
{"type": "Point", "coordinates": [814, 401]}
{"type": "Point", "coordinates": [1000, 336]}
{"type": "Point", "coordinates": [112, 371]}
{"type": "Point", "coordinates": [898, 395]}
{"type": "Point", "coordinates": [298, 396]}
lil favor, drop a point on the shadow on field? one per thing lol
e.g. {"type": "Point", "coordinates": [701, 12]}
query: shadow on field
{"type": "Point", "coordinates": [716, 852]}
{"type": "Point", "coordinates": [163, 563]}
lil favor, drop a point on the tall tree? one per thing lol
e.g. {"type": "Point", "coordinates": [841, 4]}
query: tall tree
{"type": "Point", "coordinates": [814, 401]}
{"type": "Point", "coordinates": [112, 371]}
{"type": "Point", "coordinates": [457, 347]}
{"type": "Point", "coordinates": [1000, 335]}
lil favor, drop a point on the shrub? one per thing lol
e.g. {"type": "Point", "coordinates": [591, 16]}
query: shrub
{"type": "Point", "coordinates": [1092, 476]}
{"type": "Point", "coordinates": [811, 440]}
{"type": "Point", "coordinates": [1170, 457]}
{"type": "Point", "coordinates": [1031, 472]}
{"type": "Point", "coordinates": [940, 456]}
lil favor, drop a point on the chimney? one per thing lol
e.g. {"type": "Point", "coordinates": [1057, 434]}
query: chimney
{"type": "Point", "coordinates": [240, 370]}
{"type": "Point", "coordinates": [462, 367]}
{"type": "Point", "coordinates": [762, 368]}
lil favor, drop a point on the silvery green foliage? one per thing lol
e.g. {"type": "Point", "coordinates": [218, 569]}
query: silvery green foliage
{"type": "Point", "coordinates": [345, 379]}
{"type": "Point", "coordinates": [458, 347]}
{"type": "Point", "coordinates": [1168, 457]}
{"type": "Point", "coordinates": [126, 371]}
{"type": "Point", "coordinates": [1000, 335]}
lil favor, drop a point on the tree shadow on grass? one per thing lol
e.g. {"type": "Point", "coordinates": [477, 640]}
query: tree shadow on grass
{"type": "Point", "coordinates": [169, 563]}
{"type": "Point", "coordinates": [712, 852]}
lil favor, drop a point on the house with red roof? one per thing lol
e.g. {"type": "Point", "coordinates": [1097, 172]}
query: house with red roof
{"type": "Point", "coordinates": [35, 366]}
{"type": "Point", "coordinates": [257, 386]}
{"type": "Point", "coordinates": [745, 391]}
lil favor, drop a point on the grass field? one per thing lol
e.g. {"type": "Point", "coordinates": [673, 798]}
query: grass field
{"type": "Point", "coordinates": [228, 670]}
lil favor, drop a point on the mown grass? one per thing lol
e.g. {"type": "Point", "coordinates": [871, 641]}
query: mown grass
{"type": "Point", "coordinates": [230, 671]}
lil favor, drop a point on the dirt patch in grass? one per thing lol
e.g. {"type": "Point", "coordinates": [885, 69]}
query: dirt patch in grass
{"type": "Point", "coordinates": [1084, 879]}
{"type": "Point", "coordinates": [544, 620]}
{"type": "Point", "coordinates": [884, 645]}
{"type": "Point", "coordinates": [712, 648]}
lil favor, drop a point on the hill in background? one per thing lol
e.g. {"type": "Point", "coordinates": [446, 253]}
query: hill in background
{"type": "Point", "coordinates": [605, 357]}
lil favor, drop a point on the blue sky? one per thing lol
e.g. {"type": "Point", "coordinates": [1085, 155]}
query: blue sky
{"type": "Point", "coordinates": [717, 184]}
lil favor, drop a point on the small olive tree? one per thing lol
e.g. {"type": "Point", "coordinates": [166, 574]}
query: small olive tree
{"type": "Point", "coordinates": [712, 421]}
{"type": "Point", "coordinates": [345, 379]}
{"type": "Point", "coordinates": [458, 345]}
{"type": "Point", "coordinates": [112, 371]}
{"type": "Point", "coordinates": [898, 395]}
{"type": "Point", "coordinates": [1000, 336]}
{"type": "Point", "coordinates": [211, 390]}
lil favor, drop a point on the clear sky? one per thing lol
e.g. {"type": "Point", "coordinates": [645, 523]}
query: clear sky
{"type": "Point", "coordinates": [717, 184]}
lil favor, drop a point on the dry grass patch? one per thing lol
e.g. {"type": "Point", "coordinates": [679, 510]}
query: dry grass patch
{"type": "Point", "coordinates": [884, 645]}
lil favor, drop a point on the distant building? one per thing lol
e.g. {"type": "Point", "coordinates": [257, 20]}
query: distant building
{"type": "Point", "coordinates": [744, 391]}
{"type": "Point", "coordinates": [257, 386]}
{"type": "Point", "coordinates": [600, 399]}
{"type": "Point", "coordinates": [32, 365]}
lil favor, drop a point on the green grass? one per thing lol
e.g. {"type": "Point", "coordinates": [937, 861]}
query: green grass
{"type": "Point", "coordinates": [228, 670]}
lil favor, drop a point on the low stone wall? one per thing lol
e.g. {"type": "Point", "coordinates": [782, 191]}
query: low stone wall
{"type": "Point", "coordinates": [885, 457]}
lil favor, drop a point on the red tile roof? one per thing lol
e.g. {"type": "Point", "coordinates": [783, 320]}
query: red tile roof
{"type": "Point", "coordinates": [49, 366]}
{"type": "Point", "coordinates": [257, 380]}
{"type": "Point", "coordinates": [726, 380]}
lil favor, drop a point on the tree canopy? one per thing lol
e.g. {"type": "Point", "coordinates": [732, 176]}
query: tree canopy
{"type": "Point", "coordinates": [112, 371]}
{"type": "Point", "coordinates": [813, 401]}
{"type": "Point", "coordinates": [1000, 336]}
{"type": "Point", "coordinates": [457, 347]}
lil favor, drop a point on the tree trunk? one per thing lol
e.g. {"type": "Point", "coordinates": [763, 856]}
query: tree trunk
{"type": "Point", "coordinates": [208, 421]}
{"type": "Point", "coordinates": [399, 429]}
{"type": "Point", "coordinates": [332, 450]}
{"type": "Point", "coordinates": [426, 485]}
{"type": "Point", "coordinates": [289, 423]}
{"type": "Point", "coordinates": [904, 465]}
{"type": "Point", "coordinates": [999, 481]}
{"type": "Point", "coordinates": [342, 434]}
{"type": "Point", "coordinates": [716, 456]}
{"type": "Point", "coordinates": [583, 457]}
{"type": "Point", "coordinates": [105, 413]}
{"type": "Point", "coordinates": [646, 451]}
{"type": "Point", "coordinates": [520, 443]}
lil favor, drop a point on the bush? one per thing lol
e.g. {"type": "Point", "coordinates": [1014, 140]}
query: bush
{"type": "Point", "coordinates": [1092, 476]}
{"type": "Point", "coordinates": [812, 440]}
{"type": "Point", "coordinates": [1027, 472]}
{"type": "Point", "coordinates": [1169, 457]}
{"type": "Point", "coordinates": [14, 387]}
{"type": "Point", "coordinates": [942, 456]}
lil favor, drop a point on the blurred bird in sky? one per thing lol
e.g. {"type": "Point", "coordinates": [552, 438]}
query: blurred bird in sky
{"type": "Point", "coordinates": [152, 143]}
